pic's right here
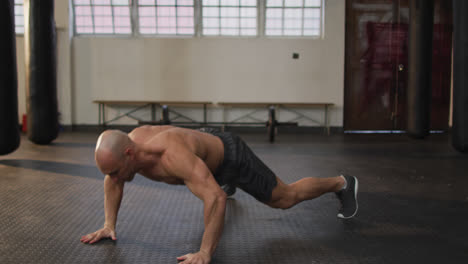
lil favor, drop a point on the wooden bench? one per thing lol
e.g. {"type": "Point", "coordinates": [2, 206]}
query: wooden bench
{"type": "Point", "coordinates": [272, 106]}
{"type": "Point", "coordinates": [139, 105]}
{"type": "Point", "coordinates": [271, 123]}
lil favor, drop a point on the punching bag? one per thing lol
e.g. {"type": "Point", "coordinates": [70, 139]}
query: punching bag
{"type": "Point", "coordinates": [419, 90]}
{"type": "Point", "coordinates": [9, 128]}
{"type": "Point", "coordinates": [460, 76]}
{"type": "Point", "coordinates": [41, 71]}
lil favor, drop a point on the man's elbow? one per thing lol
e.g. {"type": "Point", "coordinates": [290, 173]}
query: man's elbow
{"type": "Point", "coordinates": [220, 196]}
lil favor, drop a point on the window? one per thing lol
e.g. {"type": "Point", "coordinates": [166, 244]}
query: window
{"type": "Point", "coordinates": [102, 16]}
{"type": "Point", "coordinates": [19, 17]}
{"type": "Point", "coordinates": [166, 17]}
{"type": "Point", "coordinates": [277, 18]}
{"type": "Point", "coordinates": [230, 17]}
{"type": "Point", "coordinates": [293, 18]}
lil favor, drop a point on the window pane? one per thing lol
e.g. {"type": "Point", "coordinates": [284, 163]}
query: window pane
{"type": "Point", "coordinates": [147, 22]}
{"type": "Point", "coordinates": [310, 3]}
{"type": "Point", "coordinates": [312, 32]}
{"type": "Point", "coordinates": [248, 32]}
{"type": "Point", "coordinates": [84, 21]}
{"type": "Point", "coordinates": [19, 10]}
{"type": "Point", "coordinates": [274, 32]}
{"type": "Point", "coordinates": [104, 30]}
{"type": "Point", "coordinates": [273, 3]}
{"type": "Point", "coordinates": [293, 13]}
{"type": "Point", "coordinates": [120, 2]}
{"type": "Point", "coordinates": [122, 21]}
{"type": "Point", "coordinates": [229, 23]}
{"type": "Point", "coordinates": [311, 23]}
{"type": "Point", "coordinates": [274, 13]}
{"type": "Point", "coordinates": [103, 21]}
{"type": "Point", "coordinates": [83, 10]}
{"type": "Point", "coordinates": [19, 20]}
{"type": "Point", "coordinates": [292, 32]}
{"type": "Point", "coordinates": [182, 30]}
{"type": "Point", "coordinates": [210, 22]}
{"type": "Point", "coordinates": [293, 3]}
{"type": "Point", "coordinates": [123, 30]}
{"type": "Point", "coordinates": [210, 2]}
{"type": "Point", "coordinates": [166, 16]}
{"type": "Point", "coordinates": [229, 31]}
{"type": "Point", "coordinates": [19, 17]}
{"type": "Point", "coordinates": [229, 2]}
{"type": "Point", "coordinates": [144, 30]}
{"type": "Point", "coordinates": [145, 2]}
{"type": "Point", "coordinates": [185, 2]}
{"type": "Point", "coordinates": [185, 22]}
{"type": "Point", "coordinates": [84, 30]}
{"type": "Point", "coordinates": [293, 23]}
{"type": "Point", "coordinates": [249, 23]}
{"type": "Point", "coordinates": [166, 11]}
{"type": "Point", "coordinates": [293, 19]}
{"type": "Point", "coordinates": [165, 2]}
{"type": "Point", "coordinates": [79, 2]}
{"type": "Point", "coordinates": [210, 12]}
{"type": "Point", "coordinates": [102, 10]}
{"type": "Point", "coordinates": [230, 16]}
{"type": "Point", "coordinates": [185, 11]}
{"type": "Point", "coordinates": [147, 11]}
{"type": "Point", "coordinates": [101, 2]}
{"type": "Point", "coordinates": [248, 12]}
{"type": "Point", "coordinates": [230, 12]}
{"type": "Point", "coordinates": [274, 23]}
{"type": "Point", "coordinates": [121, 11]}
{"type": "Point", "coordinates": [210, 31]}
{"type": "Point", "coordinates": [311, 13]}
{"type": "Point", "coordinates": [171, 31]}
{"type": "Point", "coordinates": [166, 22]}
{"type": "Point", "coordinates": [248, 2]}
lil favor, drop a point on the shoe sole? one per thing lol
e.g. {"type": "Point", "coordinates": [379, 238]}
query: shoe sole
{"type": "Point", "coordinates": [356, 187]}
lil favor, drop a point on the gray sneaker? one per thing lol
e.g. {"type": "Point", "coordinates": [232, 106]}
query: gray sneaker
{"type": "Point", "coordinates": [348, 198]}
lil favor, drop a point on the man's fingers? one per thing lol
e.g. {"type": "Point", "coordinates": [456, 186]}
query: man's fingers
{"type": "Point", "coordinates": [89, 237]}
{"type": "Point", "coordinates": [86, 238]}
{"type": "Point", "coordinates": [97, 237]}
{"type": "Point", "coordinates": [184, 257]}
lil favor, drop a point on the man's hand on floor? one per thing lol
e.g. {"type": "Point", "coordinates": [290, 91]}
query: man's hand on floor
{"type": "Point", "coordinates": [197, 258]}
{"type": "Point", "coordinates": [105, 232]}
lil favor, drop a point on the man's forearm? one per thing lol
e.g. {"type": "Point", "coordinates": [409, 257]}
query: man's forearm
{"type": "Point", "coordinates": [113, 193]}
{"type": "Point", "coordinates": [214, 221]}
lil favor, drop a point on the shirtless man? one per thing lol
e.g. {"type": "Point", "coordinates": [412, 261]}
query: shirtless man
{"type": "Point", "coordinates": [203, 160]}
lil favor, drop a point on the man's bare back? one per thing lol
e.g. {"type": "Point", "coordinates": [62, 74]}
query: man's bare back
{"type": "Point", "coordinates": [169, 141]}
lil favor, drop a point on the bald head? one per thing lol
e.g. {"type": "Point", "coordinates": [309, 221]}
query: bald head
{"type": "Point", "coordinates": [111, 146]}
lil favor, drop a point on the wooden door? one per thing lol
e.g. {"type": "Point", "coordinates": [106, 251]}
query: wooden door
{"type": "Point", "coordinates": [376, 63]}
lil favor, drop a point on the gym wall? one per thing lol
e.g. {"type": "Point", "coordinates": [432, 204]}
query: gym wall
{"type": "Point", "coordinates": [212, 69]}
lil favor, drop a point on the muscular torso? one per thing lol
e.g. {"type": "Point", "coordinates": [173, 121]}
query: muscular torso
{"type": "Point", "coordinates": [171, 139]}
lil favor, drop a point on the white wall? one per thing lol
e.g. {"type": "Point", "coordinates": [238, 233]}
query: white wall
{"type": "Point", "coordinates": [208, 69]}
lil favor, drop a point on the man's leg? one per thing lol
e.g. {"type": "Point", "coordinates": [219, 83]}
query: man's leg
{"type": "Point", "coordinates": [287, 195]}
{"type": "Point", "coordinates": [346, 187]}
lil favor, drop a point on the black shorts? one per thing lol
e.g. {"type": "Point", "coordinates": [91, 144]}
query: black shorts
{"type": "Point", "coordinates": [242, 168]}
